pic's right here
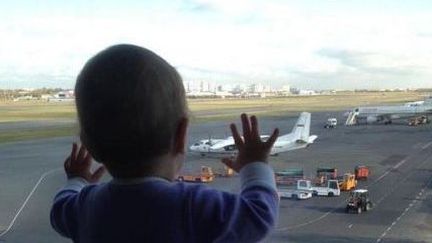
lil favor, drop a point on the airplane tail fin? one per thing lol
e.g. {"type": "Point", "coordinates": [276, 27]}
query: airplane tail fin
{"type": "Point", "coordinates": [301, 130]}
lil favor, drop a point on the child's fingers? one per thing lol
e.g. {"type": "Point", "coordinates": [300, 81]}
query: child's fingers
{"type": "Point", "coordinates": [66, 164]}
{"type": "Point", "coordinates": [98, 173]}
{"type": "Point", "coordinates": [87, 160]}
{"type": "Point", "coordinates": [246, 127]}
{"type": "Point", "coordinates": [73, 152]}
{"type": "Point", "coordinates": [272, 138]}
{"type": "Point", "coordinates": [237, 139]}
{"type": "Point", "coordinates": [81, 153]}
{"type": "Point", "coordinates": [255, 129]}
{"type": "Point", "coordinates": [228, 162]}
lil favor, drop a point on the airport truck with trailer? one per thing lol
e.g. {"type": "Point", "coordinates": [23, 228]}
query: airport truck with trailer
{"type": "Point", "coordinates": [323, 174]}
{"type": "Point", "coordinates": [331, 188]}
{"type": "Point", "coordinates": [289, 177]}
{"type": "Point", "coordinates": [302, 190]}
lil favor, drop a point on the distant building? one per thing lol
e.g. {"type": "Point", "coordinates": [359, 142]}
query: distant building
{"type": "Point", "coordinates": [256, 88]}
{"type": "Point", "coordinates": [240, 88]}
{"type": "Point", "coordinates": [268, 88]}
{"type": "Point", "coordinates": [285, 90]}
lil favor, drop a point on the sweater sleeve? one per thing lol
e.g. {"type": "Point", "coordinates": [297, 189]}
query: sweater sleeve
{"type": "Point", "coordinates": [65, 208]}
{"type": "Point", "coordinates": [248, 217]}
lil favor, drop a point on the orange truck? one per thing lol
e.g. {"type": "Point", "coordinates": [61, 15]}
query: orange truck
{"type": "Point", "coordinates": [206, 175]}
{"type": "Point", "coordinates": [361, 172]}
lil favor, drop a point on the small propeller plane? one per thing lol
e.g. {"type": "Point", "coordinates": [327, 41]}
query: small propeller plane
{"type": "Point", "coordinates": [298, 138]}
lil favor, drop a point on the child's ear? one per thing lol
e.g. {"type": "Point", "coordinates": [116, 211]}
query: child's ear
{"type": "Point", "coordinates": [180, 136]}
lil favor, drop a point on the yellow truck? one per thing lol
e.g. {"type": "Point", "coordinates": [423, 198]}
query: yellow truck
{"type": "Point", "coordinates": [348, 182]}
{"type": "Point", "coordinates": [205, 175]}
{"type": "Point", "coordinates": [224, 172]}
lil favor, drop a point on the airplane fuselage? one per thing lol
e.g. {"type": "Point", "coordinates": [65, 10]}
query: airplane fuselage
{"type": "Point", "coordinates": [388, 113]}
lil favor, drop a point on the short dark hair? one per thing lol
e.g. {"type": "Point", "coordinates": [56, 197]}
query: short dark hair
{"type": "Point", "coordinates": [129, 102]}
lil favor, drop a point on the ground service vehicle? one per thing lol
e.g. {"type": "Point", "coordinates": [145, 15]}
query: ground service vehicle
{"type": "Point", "coordinates": [289, 176]}
{"type": "Point", "coordinates": [359, 201]}
{"type": "Point", "coordinates": [302, 190]}
{"type": "Point", "coordinates": [324, 174]}
{"type": "Point", "coordinates": [224, 172]}
{"type": "Point", "coordinates": [206, 175]}
{"type": "Point", "coordinates": [361, 172]}
{"type": "Point", "coordinates": [418, 120]}
{"type": "Point", "coordinates": [331, 123]}
{"type": "Point", "coordinates": [348, 182]}
{"type": "Point", "coordinates": [330, 189]}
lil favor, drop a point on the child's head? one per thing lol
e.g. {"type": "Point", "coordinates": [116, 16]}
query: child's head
{"type": "Point", "coordinates": [131, 104]}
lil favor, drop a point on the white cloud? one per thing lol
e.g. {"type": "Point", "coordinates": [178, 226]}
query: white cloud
{"type": "Point", "coordinates": [228, 40]}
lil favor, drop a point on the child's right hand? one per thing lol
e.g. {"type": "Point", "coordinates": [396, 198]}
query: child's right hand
{"type": "Point", "coordinates": [78, 165]}
{"type": "Point", "coordinates": [250, 148]}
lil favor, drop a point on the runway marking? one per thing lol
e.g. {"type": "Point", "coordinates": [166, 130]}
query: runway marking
{"type": "Point", "coordinates": [382, 176]}
{"type": "Point", "coordinates": [42, 177]}
{"type": "Point", "coordinates": [402, 214]}
{"type": "Point", "coordinates": [427, 145]}
{"type": "Point", "coordinates": [417, 145]}
{"type": "Point", "coordinates": [308, 222]}
{"type": "Point", "coordinates": [388, 171]}
{"type": "Point", "coordinates": [399, 164]}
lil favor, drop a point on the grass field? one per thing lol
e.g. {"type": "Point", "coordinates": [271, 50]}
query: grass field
{"type": "Point", "coordinates": [202, 110]}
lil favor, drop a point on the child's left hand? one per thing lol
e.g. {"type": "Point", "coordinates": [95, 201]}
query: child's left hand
{"type": "Point", "coordinates": [78, 165]}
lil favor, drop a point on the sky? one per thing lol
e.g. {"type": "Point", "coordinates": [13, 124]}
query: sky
{"type": "Point", "coordinates": [346, 44]}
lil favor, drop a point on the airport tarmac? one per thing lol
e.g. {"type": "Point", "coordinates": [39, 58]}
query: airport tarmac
{"type": "Point", "coordinates": [400, 185]}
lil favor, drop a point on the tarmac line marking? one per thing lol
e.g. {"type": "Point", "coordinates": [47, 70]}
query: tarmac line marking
{"type": "Point", "coordinates": [42, 177]}
{"type": "Point", "coordinates": [427, 145]}
{"type": "Point", "coordinates": [402, 214]}
{"type": "Point", "coordinates": [388, 171]}
{"type": "Point", "coordinates": [416, 145]}
{"type": "Point", "coordinates": [310, 221]}
{"type": "Point", "coordinates": [342, 203]}
{"type": "Point", "coordinates": [382, 176]}
{"type": "Point", "coordinates": [399, 164]}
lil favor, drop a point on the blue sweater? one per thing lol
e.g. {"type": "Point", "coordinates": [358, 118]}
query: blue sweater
{"type": "Point", "coordinates": [155, 210]}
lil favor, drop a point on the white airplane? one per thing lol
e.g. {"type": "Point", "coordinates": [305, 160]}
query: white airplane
{"type": "Point", "coordinates": [387, 114]}
{"type": "Point", "coordinates": [297, 139]}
